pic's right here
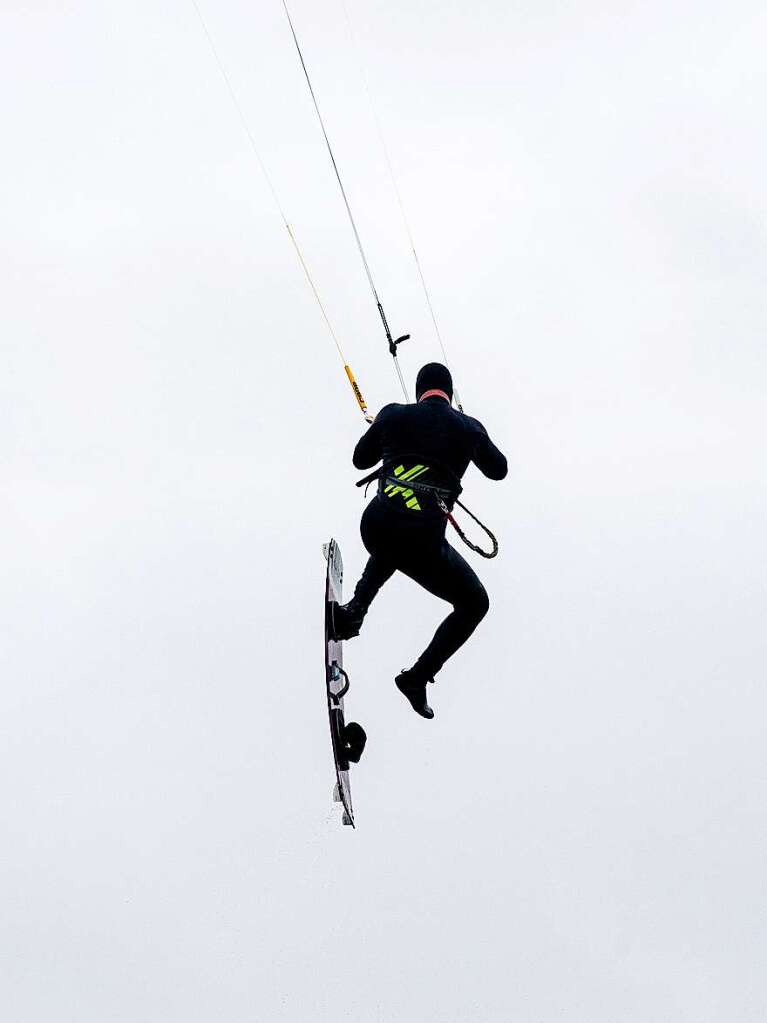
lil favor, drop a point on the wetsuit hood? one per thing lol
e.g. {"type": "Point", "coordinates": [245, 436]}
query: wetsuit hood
{"type": "Point", "coordinates": [433, 377]}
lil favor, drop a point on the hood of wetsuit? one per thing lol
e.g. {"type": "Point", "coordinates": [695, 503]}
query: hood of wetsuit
{"type": "Point", "coordinates": [433, 377]}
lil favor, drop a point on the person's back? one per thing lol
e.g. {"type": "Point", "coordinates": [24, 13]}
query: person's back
{"type": "Point", "coordinates": [432, 431]}
{"type": "Point", "coordinates": [424, 447]}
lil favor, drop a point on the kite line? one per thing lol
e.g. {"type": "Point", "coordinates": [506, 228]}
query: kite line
{"type": "Point", "coordinates": [270, 184]}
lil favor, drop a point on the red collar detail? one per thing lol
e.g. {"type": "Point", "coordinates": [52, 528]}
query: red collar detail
{"type": "Point", "coordinates": [439, 394]}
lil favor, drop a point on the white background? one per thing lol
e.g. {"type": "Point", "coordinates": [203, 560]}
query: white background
{"type": "Point", "coordinates": [579, 835]}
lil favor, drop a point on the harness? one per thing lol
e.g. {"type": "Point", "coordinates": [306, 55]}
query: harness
{"type": "Point", "coordinates": [396, 479]}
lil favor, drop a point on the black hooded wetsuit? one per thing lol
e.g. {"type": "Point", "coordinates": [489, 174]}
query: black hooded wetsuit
{"type": "Point", "coordinates": [413, 542]}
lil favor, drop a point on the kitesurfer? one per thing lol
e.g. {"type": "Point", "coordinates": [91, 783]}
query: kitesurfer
{"type": "Point", "coordinates": [425, 448]}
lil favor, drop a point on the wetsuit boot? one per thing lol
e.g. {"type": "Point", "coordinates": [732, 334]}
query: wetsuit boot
{"type": "Point", "coordinates": [413, 688]}
{"type": "Point", "coordinates": [346, 619]}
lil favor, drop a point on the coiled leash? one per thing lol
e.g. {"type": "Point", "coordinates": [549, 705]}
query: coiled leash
{"type": "Point", "coordinates": [402, 482]}
{"type": "Point", "coordinates": [477, 550]}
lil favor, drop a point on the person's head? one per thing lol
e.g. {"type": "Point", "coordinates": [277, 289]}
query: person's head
{"type": "Point", "coordinates": [434, 377]}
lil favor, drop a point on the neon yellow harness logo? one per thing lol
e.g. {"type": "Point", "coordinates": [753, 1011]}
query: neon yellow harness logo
{"type": "Point", "coordinates": [403, 475]}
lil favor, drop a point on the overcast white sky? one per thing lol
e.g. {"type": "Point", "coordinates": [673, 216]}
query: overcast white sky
{"type": "Point", "coordinates": [580, 834]}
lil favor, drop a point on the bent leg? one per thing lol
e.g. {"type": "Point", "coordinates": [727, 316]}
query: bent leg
{"type": "Point", "coordinates": [348, 618]}
{"type": "Point", "coordinates": [445, 573]}
{"type": "Point", "coordinates": [379, 542]}
{"type": "Point", "coordinates": [378, 571]}
{"type": "Point", "coordinates": [381, 545]}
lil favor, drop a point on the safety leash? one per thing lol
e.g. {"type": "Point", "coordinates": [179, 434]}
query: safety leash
{"type": "Point", "coordinates": [478, 550]}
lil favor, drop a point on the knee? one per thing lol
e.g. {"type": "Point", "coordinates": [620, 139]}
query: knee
{"type": "Point", "coordinates": [479, 604]}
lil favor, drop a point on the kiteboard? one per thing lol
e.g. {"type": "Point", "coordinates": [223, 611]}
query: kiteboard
{"type": "Point", "coordinates": [347, 739]}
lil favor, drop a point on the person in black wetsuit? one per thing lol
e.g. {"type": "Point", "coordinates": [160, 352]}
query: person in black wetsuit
{"type": "Point", "coordinates": [403, 527]}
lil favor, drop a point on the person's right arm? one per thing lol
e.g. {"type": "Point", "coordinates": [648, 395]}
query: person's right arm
{"type": "Point", "coordinates": [490, 461]}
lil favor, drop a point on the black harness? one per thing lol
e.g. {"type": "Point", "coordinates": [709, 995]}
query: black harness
{"type": "Point", "coordinates": [440, 497]}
